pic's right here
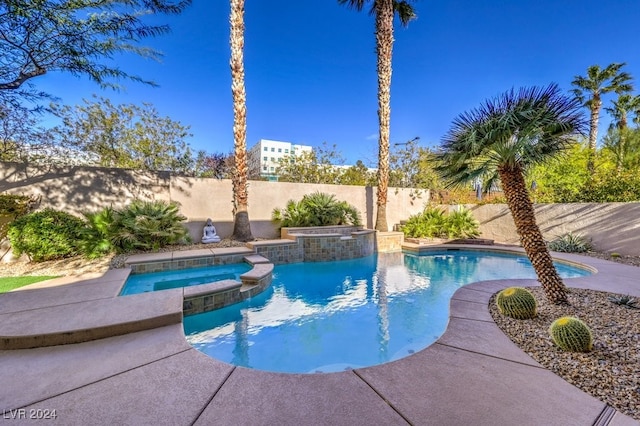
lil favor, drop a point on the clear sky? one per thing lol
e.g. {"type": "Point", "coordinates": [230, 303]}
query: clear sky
{"type": "Point", "coordinates": [311, 66]}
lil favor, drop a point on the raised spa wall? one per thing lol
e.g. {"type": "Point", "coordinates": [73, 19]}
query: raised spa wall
{"type": "Point", "coordinates": [297, 245]}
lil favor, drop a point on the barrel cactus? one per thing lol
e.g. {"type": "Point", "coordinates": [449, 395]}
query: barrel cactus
{"type": "Point", "coordinates": [516, 302]}
{"type": "Point", "coordinates": [571, 334]}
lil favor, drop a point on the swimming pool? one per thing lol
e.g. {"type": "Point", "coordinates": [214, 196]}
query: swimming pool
{"type": "Point", "coordinates": [142, 283]}
{"type": "Point", "coordinates": [332, 316]}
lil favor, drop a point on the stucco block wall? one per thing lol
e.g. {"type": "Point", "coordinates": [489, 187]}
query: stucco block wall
{"type": "Point", "coordinates": [78, 189]}
{"type": "Point", "coordinates": [613, 227]}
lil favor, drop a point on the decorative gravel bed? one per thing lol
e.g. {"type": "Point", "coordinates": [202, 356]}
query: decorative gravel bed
{"type": "Point", "coordinates": [611, 371]}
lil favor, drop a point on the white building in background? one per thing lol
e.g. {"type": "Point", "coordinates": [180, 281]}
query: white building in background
{"type": "Point", "coordinates": [264, 157]}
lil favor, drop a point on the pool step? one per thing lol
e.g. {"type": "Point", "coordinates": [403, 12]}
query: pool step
{"type": "Point", "coordinates": [256, 259]}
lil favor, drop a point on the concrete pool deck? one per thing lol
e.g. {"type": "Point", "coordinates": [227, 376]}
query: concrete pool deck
{"type": "Point", "coordinates": [473, 374]}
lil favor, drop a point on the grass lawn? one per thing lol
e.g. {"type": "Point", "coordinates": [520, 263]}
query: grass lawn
{"type": "Point", "coordinates": [9, 283]}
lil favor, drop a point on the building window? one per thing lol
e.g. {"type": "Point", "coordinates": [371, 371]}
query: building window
{"type": "Point", "coordinates": [264, 158]}
{"type": "Point", "coordinates": [279, 149]}
{"type": "Point", "coordinates": [273, 150]}
{"type": "Point", "coordinates": [264, 168]}
{"type": "Point", "coordinates": [286, 151]}
{"type": "Point", "coordinates": [272, 169]}
{"type": "Point", "coordinates": [266, 149]}
{"type": "Point", "coordinates": [273, 159]}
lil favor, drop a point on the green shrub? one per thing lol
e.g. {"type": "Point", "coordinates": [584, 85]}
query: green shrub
{"type": "Point", "coordinates": [96, 234]}
{"type": "Point", "coordinates": [147, 225]}
{"type": "Point", "coordinates": [516, 302]}
{"type": "Point", "coordinates": [12, 207]}
{"type": "Point", "coordinates": [46, 235]}
{"type": "Point", "coordinates": [571, 334]}
{"type": "Point", "coordinates": [571, 243]}
{"type": "Point", "coordinates": [435, 223]}
{"type": "Point", "coordinates": [317, 209]}
{"type": "Point", "coordinates": [461, 224]}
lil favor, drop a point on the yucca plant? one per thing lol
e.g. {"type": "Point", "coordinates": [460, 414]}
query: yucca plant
{"type": "Point", "coordinates": [148, 225]}
{"type": "Point", "coordinates": [571, 243]}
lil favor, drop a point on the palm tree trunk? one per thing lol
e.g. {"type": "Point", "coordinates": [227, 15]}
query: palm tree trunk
{"type": "Point", "coordinates": [596, 103]}
{"type": "Point", "coordinates": [241, 224]}
{"type": "Point", "coordinates": [521, 207]}
{"type": "Point", "coordinates": [384, 46]}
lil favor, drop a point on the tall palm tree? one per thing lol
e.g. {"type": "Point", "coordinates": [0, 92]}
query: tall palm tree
{"type": "Point", "coordinates": [621, 108]}
{"type": "Point", "coordinates": [241, 224]}
{"type": "Point", "coordinates": [502, 139]}
{"type": "Point", "coordinates": [616, 139]}
{"type": "Point", "coordinates": [384, 11]}
{"type": "Point", "coordinates": [589, 91]}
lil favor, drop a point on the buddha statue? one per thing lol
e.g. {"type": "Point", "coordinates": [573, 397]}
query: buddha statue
{"type": "Point", "coordinates": [209, 234]}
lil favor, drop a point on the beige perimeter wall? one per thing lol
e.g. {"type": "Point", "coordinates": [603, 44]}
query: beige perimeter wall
{"type": "Point", "coordinates": [612, 227]}
{"type": "Point", "coordinates": [78, 189]}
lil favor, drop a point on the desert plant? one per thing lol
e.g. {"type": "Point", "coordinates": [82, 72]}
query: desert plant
{"type": "Point", "coordinates": [625, 300]}
{"type": "Point", "coordinates": [96, 234]}
{"type": "Point", "coordinates": [571, 334]}
{"type": "Point", "coordinates": [147, 225]}
{"type": "Point", "coordinates": [46, 235]}
{"type": "Point", "coordinates": [516, 302]}
{"type": "Point", "coordinates": [461, 224]}
{"type": "Point", "coordinates": [571, 243]}
{"type": "Point", "coordinates": [317, 209]}
{"type": "Point", "coordinates": [428, 224]}
{"type": "Point", "coordinates": [434, 222]}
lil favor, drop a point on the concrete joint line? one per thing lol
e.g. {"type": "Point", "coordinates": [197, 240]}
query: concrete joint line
{"type": "Point", "coordinates": [493, 356]}
{"type": "Point", "coordinates": [605, 417]}
{"type": "Point", "coordinates": [213, 396]}
{"type": "Point", "coordinates": [383, 398]}
{"type": "Point", "coordinates": [472, 319]}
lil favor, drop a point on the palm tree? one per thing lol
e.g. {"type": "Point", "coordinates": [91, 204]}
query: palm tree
{"type": "Point", "coordinates": [619, 133]}
{"type": "Point", "coordinates": [241, 224]}
{"type": "Point", "coordinates": [502, 139]}
{"type": "Point", "coordinates": [622, 107]}
{"type": "Point", "coordinates": [589, 91]}
{"type": "Point", "coordinates": [384, 11]}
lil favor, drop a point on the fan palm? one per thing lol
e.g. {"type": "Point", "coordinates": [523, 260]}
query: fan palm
{"type": "Point", "coordinates": [589, 91]}
{"type": "Point", "coordinates": [502, 139]}
{"type": "Point", "coordinates": [621, 108]}
{"type": "Point", "coordinates": [241, 224]}
{"type": "Point", "coordinates": [384, 11]}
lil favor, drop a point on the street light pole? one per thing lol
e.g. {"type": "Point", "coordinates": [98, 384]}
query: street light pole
{"type": "Point", "coordinates": [407, 143]}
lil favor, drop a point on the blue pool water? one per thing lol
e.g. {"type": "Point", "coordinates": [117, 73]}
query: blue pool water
{"type": "Point", "coordinates": [141, 283]}
{"type": "Point", "coordinates": [331, 316]}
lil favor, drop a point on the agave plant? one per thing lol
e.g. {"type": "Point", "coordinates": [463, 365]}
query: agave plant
{"type": "Point", "coordinates": [571, 243]}
{"type": "Point", "coordinates": [148, 225]}
{"type": "Point", "coordinates": [625, 300]}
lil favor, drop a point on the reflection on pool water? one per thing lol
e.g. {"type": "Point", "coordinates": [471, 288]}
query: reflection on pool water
{"type": "Point", "coordinates": [332, 316]}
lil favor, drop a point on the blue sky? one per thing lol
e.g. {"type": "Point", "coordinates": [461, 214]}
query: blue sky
{"type": "Point", "coordinates": [311, 66]}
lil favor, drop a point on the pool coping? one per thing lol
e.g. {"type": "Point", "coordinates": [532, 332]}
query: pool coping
{"type": "Point", "coordinates": [460, 379]}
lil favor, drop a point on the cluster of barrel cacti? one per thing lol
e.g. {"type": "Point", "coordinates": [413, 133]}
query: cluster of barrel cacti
{"type": "Point", "coordinates": [516, 302]}
{"type": "Point", "coordinates": [571, 334]}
